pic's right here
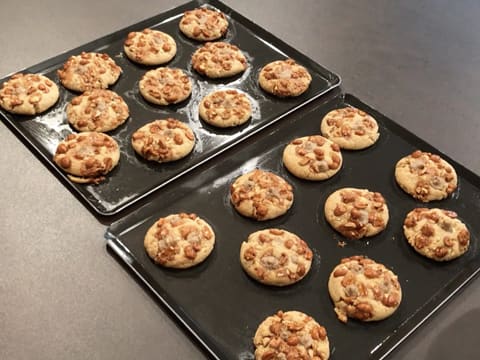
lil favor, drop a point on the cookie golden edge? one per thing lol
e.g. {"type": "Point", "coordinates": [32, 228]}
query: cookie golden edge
{"type": "Point", "coordinates": [441, 237]}
{"type": "Point", "coordinates": [184, 257]}
{"type": "Point", "coordinates": [268, 248]}
{"type": "Point", "coordinates": [257, 210]}
{"type": "Point", "coordinates": [416, 187]}
{"type": "Point", "coordinates": [218, 119]}
{"type": "Point", "coordinates": [334, 215]}
{"type": "Point", "coordinates": [175, 145]}
{"type": "Point", "coordinates": [356, 142]}
{"type": "Point", "coordinates": [291, 334]}
{"type": "Point", "coordinates": [44, 97]}
{"type": "Point", "coordinates": [315, 169]}
{"type": "Point", "coordinates": [90, 169]}
{"type": "Point", "coordinates": [367, 300]}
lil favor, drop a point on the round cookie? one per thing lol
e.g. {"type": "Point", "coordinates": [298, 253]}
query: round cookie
{"type": "Point", "coordinates": [165, 86]}
{"type": "Point", "coordinates": [350, 128]}
{"type": "Point", "coordinates": [219, 60]}
{"type": "Point", "coordinates": [426, 176]}
{"type": "Point", "coordinates": [89, 71]}
{"type": "Point", "coordinates": [87, 156]}
{"type": "Point", "coordinates": [436, 233]}
{"type": "Point", "coordinates": [291, 335]}
{"type": "Point", "coordinates": [225, 108]}
{"type": "Point", "coordinates": [163, 140]}
{"type": "Point", "coordinates": [97, 110]}
{"type": "Point", "coordinates": [275, 257]}
{"type": "Point", "coordinates": [312, 158]}
{"type": "Point", "coordinates": [28, 94]}
{"type": "Point", "coordinates": [179, 241]}
{"type": "Point", "coordinates": [261, 195]}
{"type": "Point", "coordinates": [284, 78]}
{"type": "Point", "coordinates": [203, 24]}
{"type": "Point", "coordinates": [363, 289]}
{"type": "Point", "coordinates": [356, 213]}
{"type": "Point", "coordinates": [150, 47]}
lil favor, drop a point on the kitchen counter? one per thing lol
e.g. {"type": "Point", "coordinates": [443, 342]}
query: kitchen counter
{"type": "Point", "coordinates": [64, 296]}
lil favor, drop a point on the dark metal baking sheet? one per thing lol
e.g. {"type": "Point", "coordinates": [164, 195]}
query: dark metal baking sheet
{"type": "Point", "coordinates": [222, 306]}
{"type": "Point", "coordinates": [135, 178]}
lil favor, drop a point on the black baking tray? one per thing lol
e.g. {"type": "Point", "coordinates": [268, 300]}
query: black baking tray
{"type": "Point", "coordinates": [135, 178]}
{"type": "Point", "coordinates": [222, 307]}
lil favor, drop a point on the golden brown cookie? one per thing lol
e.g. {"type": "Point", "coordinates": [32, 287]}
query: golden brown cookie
{"type": "Point", "coordinates": [312, 158]}
{"type": "Point", "coordinates": [284, 78]}
{"type": "Point", "coordinates": [165, 86]}
{"type": "Point", "coordinates": [163, 140]}
{"type": "Point", "coordinates": [261, 195]}
{"type": "Point", "coordinates": [179, 241]}
{"type": "Point", "coordinates": [356, 213]}
{"type": "Point", "coordinates": [363, 289]}
{"type": "Point", "coordinates": [97, 110]}
{"type": "Point", "coordinates": [275, 257]}
{"type": "Point", "coordinates": [350, 128]}
{"type": "Point", "coordinates": [436, 233]}
{"type": "Point", "coordinates": [219, 60]}
{"type": "Point", "coordinates": [28, 94]}
{"type": "Point", "coordinates": [426, 176]}
{"type": "Point", "coordinates": [89, 71]}
{"type": "Point", "coordinates": [291, 335]}
{"type": "Point", "coordinates": [203, 24]}
{"type": "Point", "coordinates": [225, 108]}
{"type": "Point", "coordinates": [87, 156]}
{"type": "Point", "coordinates": [150, 47]}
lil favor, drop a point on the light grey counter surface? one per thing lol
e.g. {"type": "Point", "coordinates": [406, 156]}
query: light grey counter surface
{"type": "Point", "coordinates": [63, 296]}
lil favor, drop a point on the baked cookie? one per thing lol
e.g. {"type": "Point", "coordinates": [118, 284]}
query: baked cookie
{"type": "Point", "coordinates": [225, 108]}
{"type": "Point", "coordinates": [312, 158]}
{"type": "Point", "coordinates": [356, 213]}
{"type": "Point", "coordinates": [426, 176]}
{"type": "Point", "coordinates": [28, 94]}
{"type": "Point", "coordinates": [87, 156]}
{"type": "Point", "coordinates": [203, 24]}
{"type": "Point", "coordinates": [219, 60]}
{"type": "Point", "coordinates": [291, 335]}
{"type": "Point", "coordinates": [350, 128]}
{"type": "Point", "coordinates": [165, 86]}
{"type": "Point", "coordinates": [261, 195]}
{"type": "Point", "coordinates": [150, 47]}
{"type": "Point", "coordinates": [89, 71]}
{"type": "Point", "coordinates": [363, 289]}
{"type": "Point", "coordinates": [179, 241]}
{"type": "Point", "coordinates": [275, 257]}
{"type": "Point", "coordinates": [97, 110]}
{"type": "Point", "coordinates": [284, 78]}
{"type": "Point", "coordinates": [163, 140]}
{"type": "Point", "coordinates": [436, 233]}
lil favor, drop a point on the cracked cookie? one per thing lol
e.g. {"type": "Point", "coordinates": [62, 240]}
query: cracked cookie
{"type": "Point", "coordinates": [363, 289]}
{"type": "Point", "coordinates": [87, 157]}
